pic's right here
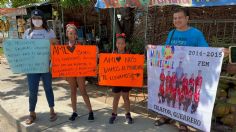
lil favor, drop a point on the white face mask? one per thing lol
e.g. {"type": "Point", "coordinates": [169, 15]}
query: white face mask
{"type": "Point", "coordinates": [37, 23]}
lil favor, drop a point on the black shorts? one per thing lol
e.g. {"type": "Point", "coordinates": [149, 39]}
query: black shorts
{"type": "Point", "coordinates": [121, 89]}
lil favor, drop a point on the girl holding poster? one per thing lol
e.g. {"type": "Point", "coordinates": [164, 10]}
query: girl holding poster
{"type": "Point", "coordinates": [39, 30]}
{"type": "Point", "coordinates": [74, 82]}
{"type": "Point", "coordinates": [117, 91]}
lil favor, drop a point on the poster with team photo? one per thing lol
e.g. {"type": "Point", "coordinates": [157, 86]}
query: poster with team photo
{"type": "Point", "coordinates": [182, 82]}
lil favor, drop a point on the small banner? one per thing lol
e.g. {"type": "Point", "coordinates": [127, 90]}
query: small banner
{"type": "Point", "coordinates": [182, 82]}
{"type": "Point", "coordinates": [144, 3]}
{"type": "Point", "coordinates": [13, 11]}
{"type": "Point", "coordinates": [27, 56]}
{"type": "Point", "coordinates": [73, 61]}
{"type": "Point", "coordinates": [121, 70]}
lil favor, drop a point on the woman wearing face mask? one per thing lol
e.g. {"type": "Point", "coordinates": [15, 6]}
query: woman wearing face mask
{"type": "Point", "coordinates": [39, 30]}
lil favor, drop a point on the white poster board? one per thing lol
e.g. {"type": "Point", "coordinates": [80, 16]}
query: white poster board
{"type": "Point", "coordinates": [182, 82]}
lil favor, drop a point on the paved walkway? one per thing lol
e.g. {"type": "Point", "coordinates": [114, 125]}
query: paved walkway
{"type": "Point", "coordinates": [5, 125]}
{"type": "Point", "coordinates": [14, 108]}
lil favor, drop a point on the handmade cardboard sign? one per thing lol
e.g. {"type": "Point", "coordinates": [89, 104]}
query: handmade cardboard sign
{"type": "Point", "coordinates": [73, 61]}
{"type": "Point", "coordinates": [27, 56]}
{"type": "Point", "coordinates": [121, 70]}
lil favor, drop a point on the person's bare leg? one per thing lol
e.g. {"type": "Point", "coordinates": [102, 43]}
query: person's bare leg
{"type": "Point", "coordinates": [83, 92]}
{"type": "Point", "coordinates": [159, 98]}
{"type": "Point", "coordinates": [52, 110]}
{"type": "Point", "coordinates": [173, 103]}
{"type": "Point", "coordinates": [128, 117]}
{"type": "Point", "coordinates": [116, 98]}
{"type": "Point", "coordinates": [179, 105]}
{"type": "Point", "coordinates": [73, 86]}
{"type": "Point", "coordinates": [115, 102]}
{"type": "Point", "coordinates": [125, 96]}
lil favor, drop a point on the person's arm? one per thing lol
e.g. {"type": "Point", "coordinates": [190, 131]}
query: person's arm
{"type": "Point", "coordinates": [54, 41]}
{"type": "Point", "coordinates": [226, 52]}
{"type": "Point", "coordinates": [52, 36]}
{"type": "Point", "coordinates": [25, 34]}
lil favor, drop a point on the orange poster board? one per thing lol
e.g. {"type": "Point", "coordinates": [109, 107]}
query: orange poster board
{"type": "Point", "coordinates": [121, 70]}
{"type": "Point", "coordinates": [73, 61]}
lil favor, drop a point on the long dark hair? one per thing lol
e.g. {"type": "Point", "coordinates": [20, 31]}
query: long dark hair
{"type": "Point", "coordinates": [45, 26]}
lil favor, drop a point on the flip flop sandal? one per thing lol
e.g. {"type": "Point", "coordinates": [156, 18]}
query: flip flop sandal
{"type": "Point", "coordinates": [162, 121]}
{"type": "Point", "coordinates": [53, 117]}
{"type": "Point", "coordinates": [183, 128]}
{"type": "Point", "coordinates": [30, 119]}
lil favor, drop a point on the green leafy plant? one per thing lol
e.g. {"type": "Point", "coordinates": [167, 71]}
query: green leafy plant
{"type": "Point", "coordinates": [136, 45]}
{"type": "Point", "coordinates": [74, 3]}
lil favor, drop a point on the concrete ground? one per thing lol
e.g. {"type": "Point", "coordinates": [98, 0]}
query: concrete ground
{"type": "Point", "coordinates": [5, 125]}
{"type": "Point", "coordinates": [14, 109]}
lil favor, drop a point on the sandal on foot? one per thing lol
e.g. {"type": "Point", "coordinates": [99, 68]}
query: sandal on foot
{"type": "Point", "coordinates": [30, 119]}
{"type": "Point", "coordinates": [53, 117]}
{"type": "Point", "coordinates": [162, 121]}
{"type": "Point", "coordinates": [183, 128]}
